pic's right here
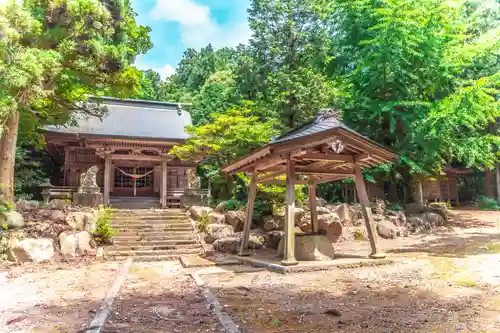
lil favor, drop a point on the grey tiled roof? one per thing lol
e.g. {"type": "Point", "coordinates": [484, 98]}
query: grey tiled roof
{"type": "Point", "coordinates": [317, 126]}
{"type": "Point", "coordinates": [135, 119]}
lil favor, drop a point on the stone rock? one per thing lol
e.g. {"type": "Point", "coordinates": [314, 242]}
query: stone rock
{"type": "Point", "coordinates": [44, 213]}
{"type": "Point", "coordinates": [227, 245]}
{"type": "Point", "coordinates": [271, 223]}
{"type": "Point", "coordinates": [387, 229]}
{"type": "Point", "coordinates": [320, 202]}
{"type": "Point", "coordinates": [331, 224]}
{"type": "Point", "coordinates": [91, 222]}
{"type": "Point", "coordinates": [196, 212]}
{"type": "Point", "coordinates": [78, 220]}
{"type": "Point", "coordinates": [221, 207]}
{"type": "Point", "coordinates": [398, 218]}
{"type": "Point", "coordinates": [72, 244]}
{"type": "Point", "coordinates": [216, 218]}
{"type": "Point", "coordinates": [435, 219]}
{"type": "Point", "coordinates": [378, 217]}
{"type": "Point", "coordinates": [57, 216]}
{"type": "Point", "coordinates": [273, 239]}
{"type": "Point", "coordinates": [359, 222]}
{"type": "Point", "coordinates": [13, 220]}
{"type": "Point", "coordinates": [323, 211]}
{"type": "Point", "coordinates": [313, 248]}
{"type": "Point", "coordinates": [309, 248]}
{"type": "Point", "coordinates": [236, 219]}
{"type": "Point", "coordinates": [30, 249]}
{"type": "Point", "coordinates": [218, 231]}
{"type": "Point", "coordinates": [60, 204]}
{"type": "Point", "coordinates": [27, 204]}
{"type": "Point", "coordinates": [345, 213]}
{"type": "Point", "coordinates": [305, 225]}
{"type": "Point", "coordinates": [417, 224]}
{"type": "Point", "coordinates": [299, 214]}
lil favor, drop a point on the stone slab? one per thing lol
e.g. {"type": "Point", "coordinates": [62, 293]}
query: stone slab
{"type": "Point", "coordinates": [197, 261]}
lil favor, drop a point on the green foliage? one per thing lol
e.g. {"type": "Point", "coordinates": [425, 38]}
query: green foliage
{"type": "Point", "coordinates": [202, 222]}
{"type": "Point", "coordinates": [233, 204]}
{"type": "Point", "coordinates": [103, 232]}
{"type": "Point", "coordinates": [487, 203]}
{"type": "Point", "coordinates": [396, 208]}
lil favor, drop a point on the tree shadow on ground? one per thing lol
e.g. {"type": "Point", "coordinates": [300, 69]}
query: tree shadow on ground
{"type": "Point", "coordinates": [453, 245]}
{"type": "Point", "coordinates": [468, 218]}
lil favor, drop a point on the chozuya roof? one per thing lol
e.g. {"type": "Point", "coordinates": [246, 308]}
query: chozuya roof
{"type": "Point", "coordinates": [314, 137]}
{"type": "Point", "coordinates": [132, 118]}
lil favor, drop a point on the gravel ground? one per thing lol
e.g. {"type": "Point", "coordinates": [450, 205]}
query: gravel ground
{"type": "Point", "coordinates": [421, 294]}
{"type": "Point", "coordinates": [160, 297]}
{"type": "Point", "coordinates": [50, 298]}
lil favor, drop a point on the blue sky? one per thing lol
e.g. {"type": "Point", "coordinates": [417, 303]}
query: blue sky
{"type": "Point", "coordinates": [179, 24]}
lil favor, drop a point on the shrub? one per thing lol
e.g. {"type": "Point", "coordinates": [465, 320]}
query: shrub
{"type": "Point", "coordinates": [203, 222]}
{"type": "Point", "coordinates": [441, 204]}
{"type": "Point", "coordinates": [103, 232]}
{"type": "Point", "coordinates": [234, 204]}
{"type": "Point", "coordinates": [487, 203]}
{"type": "Point", "coordinates": [396, 208]}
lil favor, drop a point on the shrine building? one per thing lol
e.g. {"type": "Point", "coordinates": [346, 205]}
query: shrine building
{"type": "Point", "coordinates": [130, 145]}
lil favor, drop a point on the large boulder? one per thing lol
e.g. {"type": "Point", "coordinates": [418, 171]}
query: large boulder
{"type": "Point", "coordinates": [417, 224]}
{"type": "Point", "coordinates": [299, 214]}
{"type": "Point", "coordinates": [58, 216]}
{"type": "Point", "coordinates": [60, 204]}
{"type": "Point", "coordinates": [195, 212]}
{"type": "Point", "coordinates": [12, 219]}
{"type": "Point", "coordinates": [398, 218]}
{"type": "Point", "coordinates": [379, 207]}
{"type": "Point", "coordinates": [435, 219]}
{"type": "Point", "coordinates": [79, 220]}
{"type": "Point", "coordinates": [72, 244]}
{"type": "Point", "coordinates": [221, 207]}
{"type": "Point", "coordinates": [27, 204]}
{"type": "Point", "coordinates": [323, 210]}
{"type": "Point", "coordinates": [218, 231]}
{"type": "Point", "coordinates": [271, 223]}
{"type": "Point", "coordinates": [331, 224]}
{"type": "Point", "coordinates": [320, 202]}
{"type": "Point", "coordinates": [30, 249]}
{"type": "Point", "coordinates": [227, 245]}
{"type": "Point", "coordinates": [345, 213]}
{"type": "Point", "coordinates": [236, 219]}
{"type": "Point", "coordinates": [273, 238]}
{"type": "Point", "coordinates": [216, 218]}
{"type": "Point", "coordinates": [387, 229]}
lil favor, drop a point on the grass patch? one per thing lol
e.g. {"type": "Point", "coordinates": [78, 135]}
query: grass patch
{"type": "Point", "coordinates": [202, 222]}
{"type": "Point", "coordinates": [466, 282]}
{"type": "Point", "coordinates": [103, 232]}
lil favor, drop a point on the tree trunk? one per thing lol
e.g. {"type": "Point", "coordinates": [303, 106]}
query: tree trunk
{"type": "Point", "coordinates": [498, 181]}
{"type": "Point", "coordinates": [419, 193]}
{"type": "Point", "coordinates": [8, 154]}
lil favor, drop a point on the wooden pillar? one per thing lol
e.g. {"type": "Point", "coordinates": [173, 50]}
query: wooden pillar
{"type": "Point", "coordinates": [107, 181]}
{"type": "Point", "coordinates": [252, 191]}
{"type": "Point", "coordinates": [367, 212]}
{"type": "Point", "coordinates": [163, 194]}
{"type": "Point", "coordinates": [289, 254]}
{"type": "Point", "coordinates": [313, 204]}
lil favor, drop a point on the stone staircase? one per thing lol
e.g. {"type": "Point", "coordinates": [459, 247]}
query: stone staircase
{"type": "Point", "coordinates": [134, 202]}
{"type": "Point", "coordinates": [151, 235]}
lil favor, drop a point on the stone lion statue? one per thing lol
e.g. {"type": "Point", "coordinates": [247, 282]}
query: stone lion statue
{"type": "Point", "coordinates": [194, 181]}
{"type": "Point", "coordinates": [88, 181]}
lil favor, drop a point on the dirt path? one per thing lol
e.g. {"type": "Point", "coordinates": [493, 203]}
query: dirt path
{"type": "Point", "coordinates": [160, 297]}
{"type": "Point", "coordinates": [53, 298]}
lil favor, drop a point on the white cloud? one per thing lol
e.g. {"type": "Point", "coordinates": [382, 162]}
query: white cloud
{"type": "Point", "coordinates": [198, 28]}
{"type": "Point", "coordinates": [165, 71]}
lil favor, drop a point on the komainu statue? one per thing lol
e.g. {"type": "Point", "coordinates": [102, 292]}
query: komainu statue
{"type": "Point", "coordinates": [88, 181]}
{"type": "Point", "coordinates": [194, 181]}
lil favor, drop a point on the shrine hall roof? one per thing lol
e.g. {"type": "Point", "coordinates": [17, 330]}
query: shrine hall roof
{"type": "Point", "coordinates": [132, 118]}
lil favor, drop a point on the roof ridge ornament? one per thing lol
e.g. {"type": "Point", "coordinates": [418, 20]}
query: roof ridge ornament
{"type": "Point", "coordinates": [327, 114]}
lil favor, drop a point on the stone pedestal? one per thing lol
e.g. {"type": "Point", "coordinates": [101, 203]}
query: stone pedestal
{"type": "Point", "coordinates": [310, 247]}
{"type": "Point", "coordinates": [88, 199]}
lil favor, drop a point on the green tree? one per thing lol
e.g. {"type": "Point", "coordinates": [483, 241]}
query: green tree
{"type": "Point", "coordinates": [230, 135]}
{"type": "Point", "coordinates": [56, 52]}
{"type": "Point", "coordinates": [419, 76]}
{"type": "Point", "coordinates": [151, 87]}
{"type": "Point", "coordinates": [284, 67]}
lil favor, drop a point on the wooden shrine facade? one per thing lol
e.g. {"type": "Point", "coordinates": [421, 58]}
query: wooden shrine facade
{"type": "Point", "coordinates": [129, 165]}
{"type": "Point", "coordinates": [322, 151]}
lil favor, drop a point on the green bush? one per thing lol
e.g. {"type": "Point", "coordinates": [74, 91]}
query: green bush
{"type": "Point", "coordinates": [487, 203]}
{"type": "Point", "coordinates": [441, 204]}
{"type": "Point", "coordinates": [234, 204]}
{"type": "Point", "coordinates": [103, 232]}
{"type": "Point", "coordinates": [203, 222]}
{"type": "Point", "coordinates": [396, 208]}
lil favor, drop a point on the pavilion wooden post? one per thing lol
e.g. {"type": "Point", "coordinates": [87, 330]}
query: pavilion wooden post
{"type": "Point", "coordinates": [163, 193]}
{"type": "Point", "coordinates": [252, 191]}
{"type": "Point", "coordinates": [107, 180]}
{"type": "Point", "coordinates": [289, 253]}
{"type": "Point", "coordinates": [313, 204]}
{"type": "Point", "coordinates": [367, 212]}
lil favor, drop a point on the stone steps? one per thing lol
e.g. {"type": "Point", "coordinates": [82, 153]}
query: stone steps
{"type": "Point", "coordinates": [149, 235]}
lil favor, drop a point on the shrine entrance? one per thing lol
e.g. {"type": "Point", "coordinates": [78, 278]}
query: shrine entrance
{"type": "Point", "coordinates": [134, 181]}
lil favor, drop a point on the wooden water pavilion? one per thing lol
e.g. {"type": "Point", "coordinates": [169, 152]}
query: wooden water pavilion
{"type": "Point", "coordinates": [322, 151]}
